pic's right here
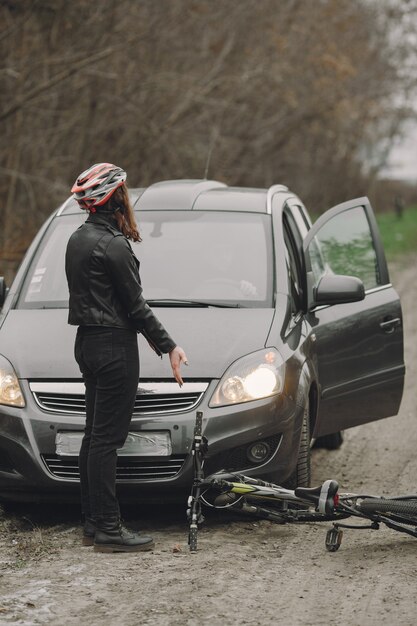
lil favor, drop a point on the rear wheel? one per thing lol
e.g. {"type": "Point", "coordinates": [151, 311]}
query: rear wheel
{"type": "Point", "coordinates": [301, 476]}
{"type": "Point", "coordinates": [386, 506]}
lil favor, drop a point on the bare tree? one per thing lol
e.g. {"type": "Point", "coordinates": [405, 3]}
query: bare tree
{"type": "Point", "coordinates": [247, 91]}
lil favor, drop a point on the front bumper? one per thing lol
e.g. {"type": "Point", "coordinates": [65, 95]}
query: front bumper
{"type": "Point", "coordinates": [30, 468]}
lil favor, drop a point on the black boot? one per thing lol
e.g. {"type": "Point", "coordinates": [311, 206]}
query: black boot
{"type": "Point", "coordinates": [89, 532]}
{"type": "Point", "coordinates": [111, 536]}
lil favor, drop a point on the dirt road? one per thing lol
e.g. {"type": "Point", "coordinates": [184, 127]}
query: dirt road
{"type": "Point", "coordinates": [244, 573]}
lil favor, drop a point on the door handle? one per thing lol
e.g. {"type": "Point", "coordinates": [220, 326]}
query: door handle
{"type": "Point", "coordinates": [389, 325]}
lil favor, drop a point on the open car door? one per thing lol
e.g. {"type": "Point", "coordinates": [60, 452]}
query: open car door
{"type": "Point", "coordinates": [359, 344]}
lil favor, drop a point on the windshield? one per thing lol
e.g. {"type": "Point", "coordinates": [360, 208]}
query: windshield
{"type": "Point", "coordinates": [212, 257]}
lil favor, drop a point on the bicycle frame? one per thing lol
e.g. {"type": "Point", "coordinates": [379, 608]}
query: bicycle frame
{"type": "Point", "coordinates": [328, 503]}
{"type": "Point", "coordinates": [250, 487]}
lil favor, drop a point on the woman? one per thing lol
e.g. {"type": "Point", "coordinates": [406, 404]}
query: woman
{"type": "Point", "coordinates": [107, 305]}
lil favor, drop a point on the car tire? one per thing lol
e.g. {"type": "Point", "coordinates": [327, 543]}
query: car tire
{"type": "Point", "coordinates": [301, 477]}
{"type": "Point", "coordinates": [330, 442]}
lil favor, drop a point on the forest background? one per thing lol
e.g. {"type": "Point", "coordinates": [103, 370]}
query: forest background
{"type": "Point", "coordinates": [309, 93]}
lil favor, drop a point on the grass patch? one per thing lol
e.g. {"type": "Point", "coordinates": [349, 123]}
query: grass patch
{"type": "Point", "coordinates": [399, 235]}
{"type": "Point", "coordinates": [25, 542]}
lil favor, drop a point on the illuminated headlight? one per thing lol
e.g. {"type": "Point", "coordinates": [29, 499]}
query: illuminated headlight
{"type": "Point", "coordinates": [10, 391]}
{"type": "Point", "coordinates": [257, 375]}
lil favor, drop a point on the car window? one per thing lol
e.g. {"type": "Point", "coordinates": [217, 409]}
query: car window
{"type": "Point", "coordinates": [344, 245]}
{"type": "Point", "coordinates": [45, 285]}
{"type": "Point", "coordinates": [293, 267]}
{"type": "Point", "coordinates": [223, 257]}
{"type": "Point", "coordinates": [213, 255]}
{"type": "Point", "coordinates": [303, 214]}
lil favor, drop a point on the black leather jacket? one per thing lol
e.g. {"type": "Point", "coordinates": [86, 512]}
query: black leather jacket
{"type": "Point", "coordinates": [104, 282]}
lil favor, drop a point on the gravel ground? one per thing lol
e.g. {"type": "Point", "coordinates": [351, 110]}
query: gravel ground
{"type": "Point", "coordinates": [244, 572]}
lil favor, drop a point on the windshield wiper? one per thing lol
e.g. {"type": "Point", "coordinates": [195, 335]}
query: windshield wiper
{"type": "Point", "coordinates": [190, 303]}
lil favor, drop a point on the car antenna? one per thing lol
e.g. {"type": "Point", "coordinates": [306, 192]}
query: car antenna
{"type": "Point", "coordinates": [213, 139]}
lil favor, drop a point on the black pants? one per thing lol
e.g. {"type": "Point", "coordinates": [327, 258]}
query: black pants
{"type": "Point", "coordinates": [109, 362]}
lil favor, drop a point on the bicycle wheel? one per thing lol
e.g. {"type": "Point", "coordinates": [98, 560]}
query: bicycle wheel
{"type": "Point", "coordinates": [192, 539]}
{"type": "Point", "coordinates": [387, 506]}
{"type": "Point", "coordinates": [310, 515]}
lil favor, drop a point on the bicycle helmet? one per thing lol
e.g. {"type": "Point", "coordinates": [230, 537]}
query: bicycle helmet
{"type": "Point", "coordinates": [96, 185]}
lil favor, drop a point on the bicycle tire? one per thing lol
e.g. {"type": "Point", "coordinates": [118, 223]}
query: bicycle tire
{"type": "Point", "coordinates": [287, 516]}
{"type": "Point", "coordinates": [192, 539]}
{"type": "Point", "coordinates": [309, 515]}
{"type": "Point", "coordinates": [387, 506]}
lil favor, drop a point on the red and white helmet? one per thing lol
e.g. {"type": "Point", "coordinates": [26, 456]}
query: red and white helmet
{"type": "Point", "coordinates": [96, 185]}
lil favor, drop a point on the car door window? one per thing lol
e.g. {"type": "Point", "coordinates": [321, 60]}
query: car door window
{"type": "Point", "coordinates": [293, 268]}
{"type": "Point", "coordinates": [344, 245]}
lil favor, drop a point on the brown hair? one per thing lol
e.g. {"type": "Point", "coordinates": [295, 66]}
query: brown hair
{"type": "Point", "coordinates": [123, 213]}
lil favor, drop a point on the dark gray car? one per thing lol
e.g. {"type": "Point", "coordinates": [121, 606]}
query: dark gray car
{"type": "Point", "coordinates": [291, 332]}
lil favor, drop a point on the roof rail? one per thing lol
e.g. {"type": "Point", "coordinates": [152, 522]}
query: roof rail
{"type": "Point", "coordinates": [271, 192]}
{"type": "Point", "coordinates": [205, 185]}
{"type": "Point", "coordinates": [176, 194]}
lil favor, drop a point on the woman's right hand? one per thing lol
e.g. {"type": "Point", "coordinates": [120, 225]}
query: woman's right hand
{"type": "Point", "coordinates": [176, 357]}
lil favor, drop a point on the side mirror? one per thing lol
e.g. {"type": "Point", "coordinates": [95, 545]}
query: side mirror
{"type": "Point", "coordinates": [337, 289]}
{"type": "Point", "coordinates": [3, 291]}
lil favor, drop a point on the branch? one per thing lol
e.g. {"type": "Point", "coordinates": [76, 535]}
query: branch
{"type": "Point", "coordinates": [15, 27]}
{"type": "Point", "coordinates": [205, 84]}
{"type": "Point", "coordinates": [29, 177]}
{"type": "Point", "coordinates": [61, 76]}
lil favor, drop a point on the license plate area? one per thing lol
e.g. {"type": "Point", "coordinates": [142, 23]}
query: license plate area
{"type": "Point", "coordinates": [137, 444]}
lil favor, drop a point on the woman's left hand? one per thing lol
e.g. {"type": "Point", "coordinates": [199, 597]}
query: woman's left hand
{"type": "Point", "coordinates": [176, 357]}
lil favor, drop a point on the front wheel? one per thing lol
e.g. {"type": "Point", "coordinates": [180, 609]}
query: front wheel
{"type": "Point", "coordinates": [301, 476]}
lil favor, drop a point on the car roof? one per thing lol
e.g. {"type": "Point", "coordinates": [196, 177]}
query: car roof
{"type": "Point", "coordinates": [187, 195]}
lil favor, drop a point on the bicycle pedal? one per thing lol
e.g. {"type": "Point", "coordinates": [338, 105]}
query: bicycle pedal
{"type": "Point", "coordinates": [333, 539]}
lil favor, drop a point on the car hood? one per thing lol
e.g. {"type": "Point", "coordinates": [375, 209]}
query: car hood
{"type": "Point", "coordinates": [39, 343]}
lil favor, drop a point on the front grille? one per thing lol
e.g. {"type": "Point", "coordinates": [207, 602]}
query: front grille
{"type": "Point", "coordinates": [127, 468]}
{"type": "Point", "coordinates": [159, 397]}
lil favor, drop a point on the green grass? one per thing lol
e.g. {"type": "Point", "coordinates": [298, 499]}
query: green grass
{"type": "Point", "coordinates": [399, 235]}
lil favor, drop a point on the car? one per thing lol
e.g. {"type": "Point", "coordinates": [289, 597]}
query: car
{"type": "Point", "coordinates": [293, 333]}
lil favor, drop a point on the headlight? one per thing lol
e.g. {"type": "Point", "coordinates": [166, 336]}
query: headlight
{"type": "Point", "coordinates": [10, 391]}
{"type": "Point", "coordinates": [257, 375]}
